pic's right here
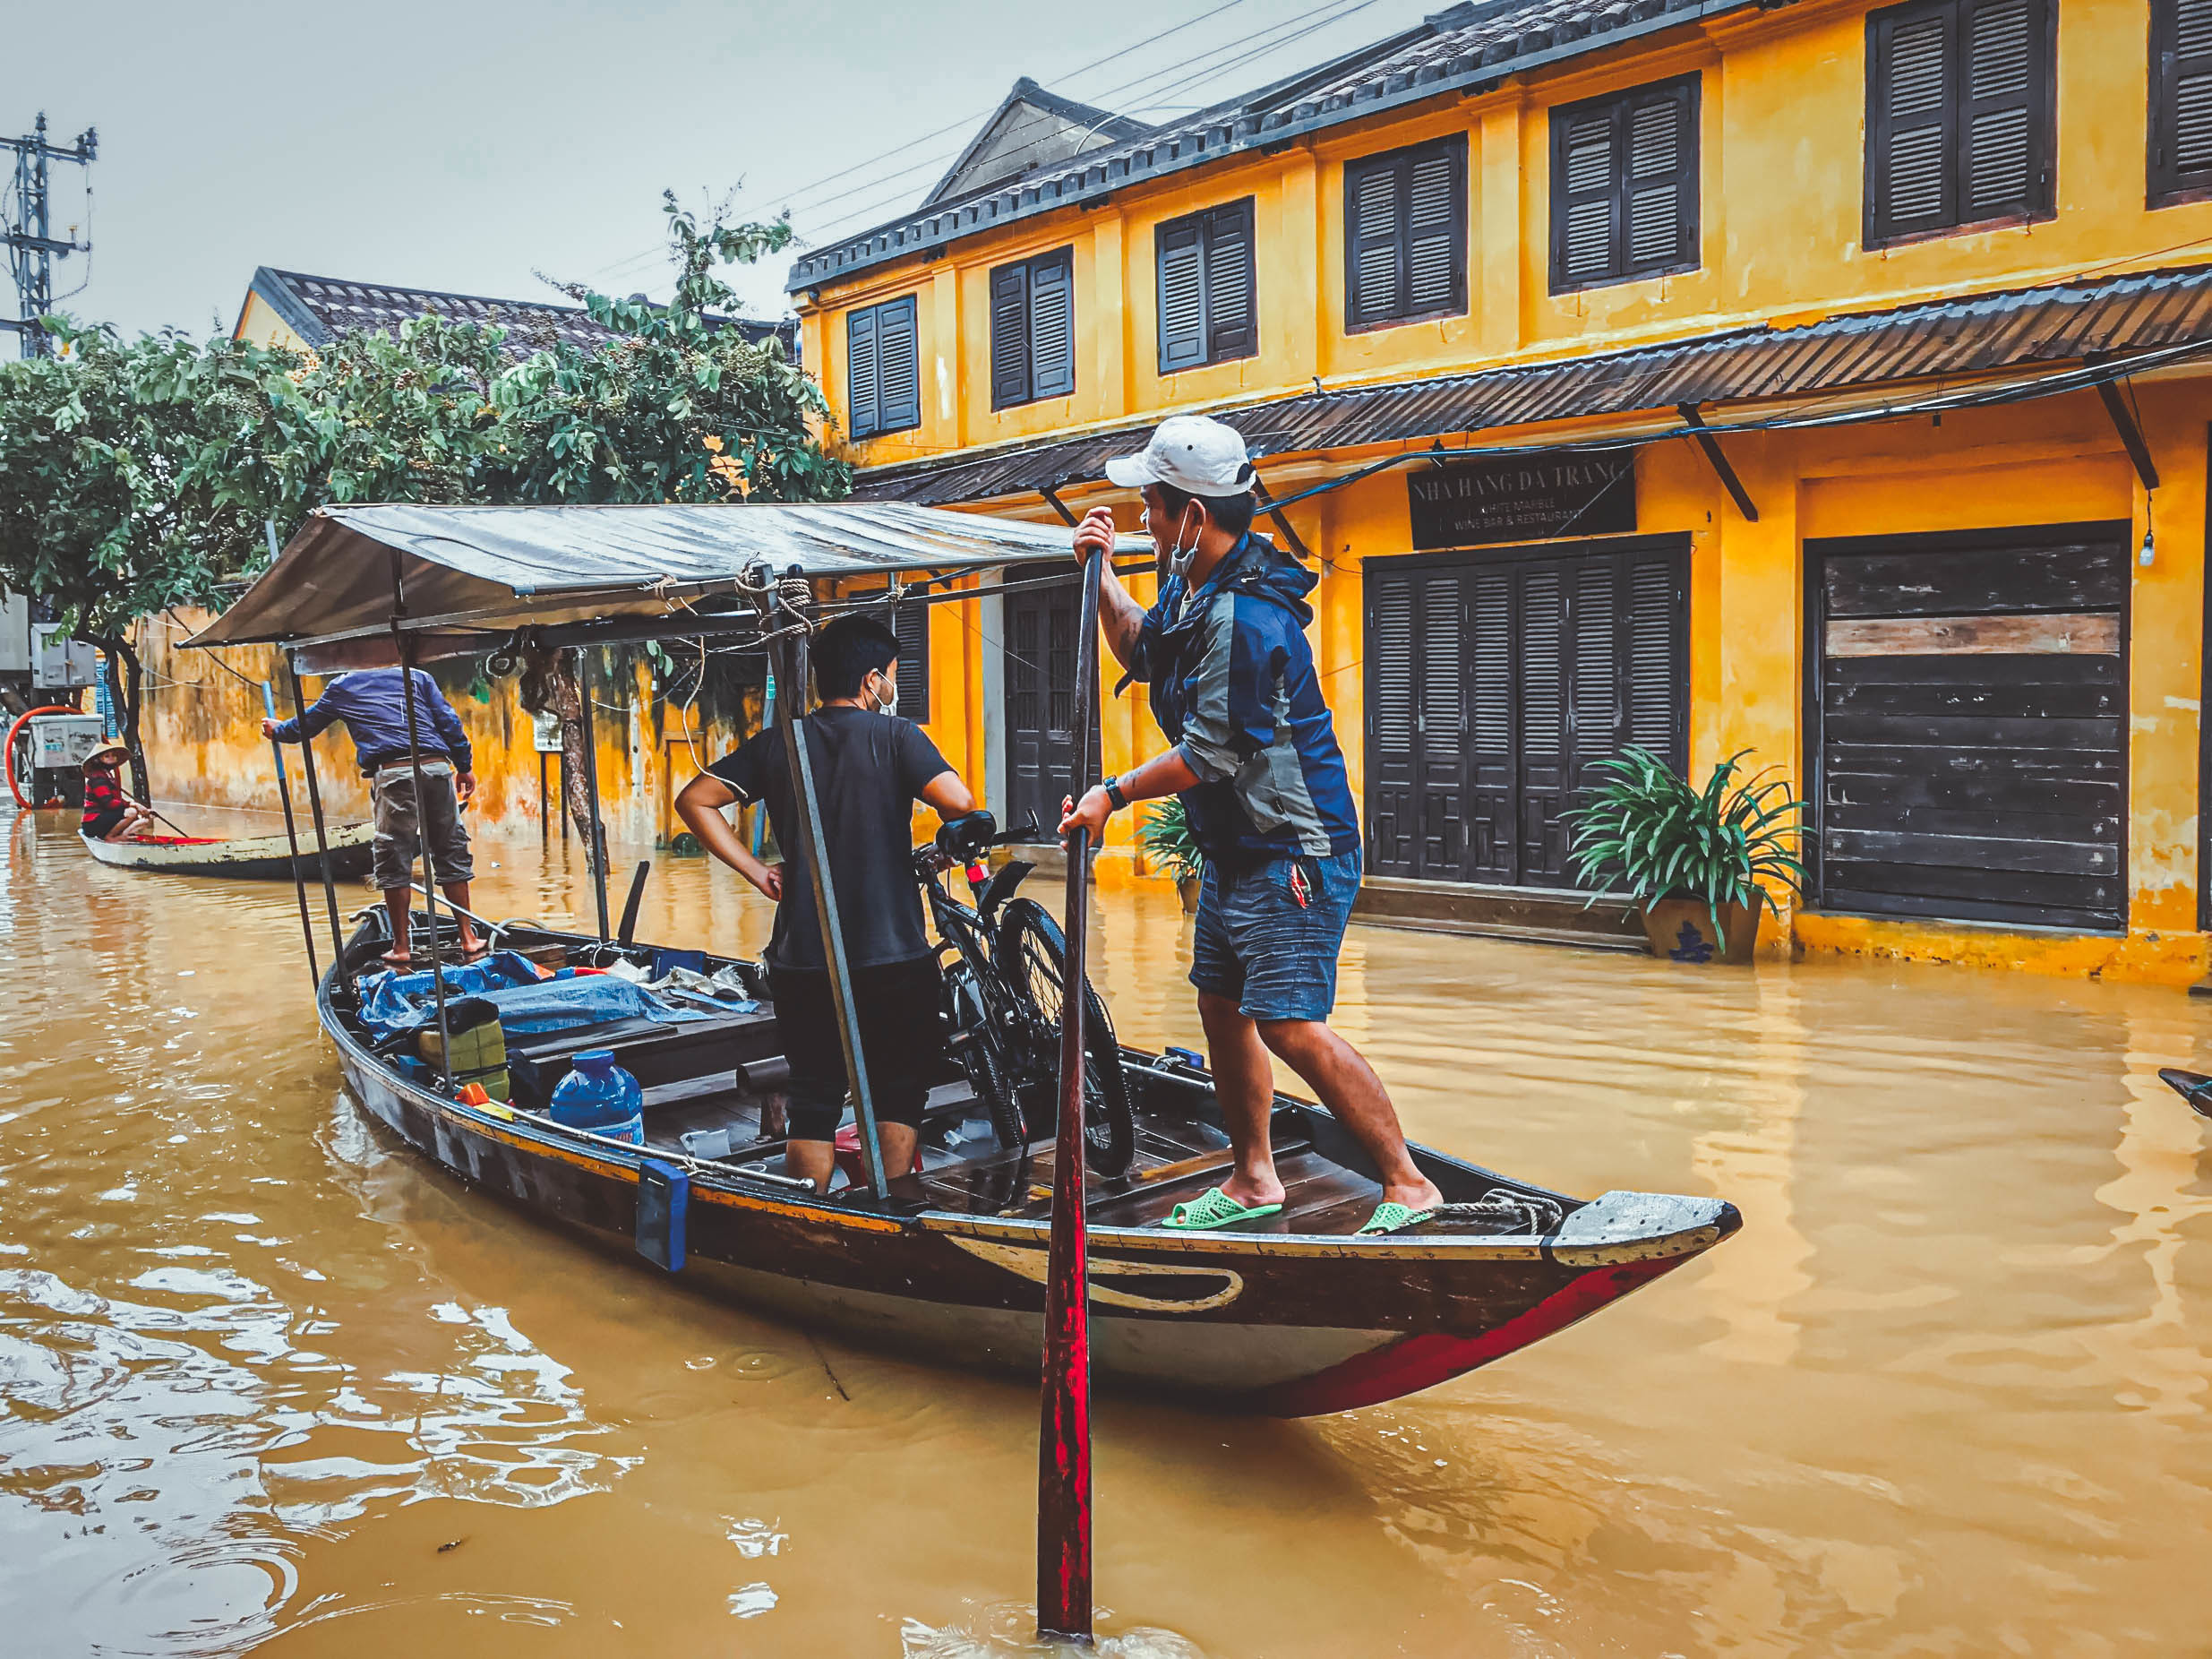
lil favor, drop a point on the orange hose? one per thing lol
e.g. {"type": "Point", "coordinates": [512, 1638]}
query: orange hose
{"type": "Point", "coordinates": [7, 748]}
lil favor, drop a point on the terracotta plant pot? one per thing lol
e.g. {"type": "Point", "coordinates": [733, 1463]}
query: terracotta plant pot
{"type": "Point", "coordinates": [1680, 930]}
{"type": "Point", "coordinates": [1187, 890]}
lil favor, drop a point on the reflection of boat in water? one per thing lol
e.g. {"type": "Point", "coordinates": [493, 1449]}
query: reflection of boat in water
{"type": "Point", "coordinates": [1291, 1314]}
{"type": "Point", "coordinates": [259, 857]}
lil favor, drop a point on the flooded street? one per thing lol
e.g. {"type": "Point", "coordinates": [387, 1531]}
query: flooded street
{"type": "Point", "coordinates": [273, 1384]}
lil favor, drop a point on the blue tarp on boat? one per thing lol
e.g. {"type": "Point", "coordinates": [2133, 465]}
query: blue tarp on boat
{"type": "Point", "coordinates": [392, 1002]}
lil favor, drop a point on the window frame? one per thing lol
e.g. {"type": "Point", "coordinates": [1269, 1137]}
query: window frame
{"type": "Point", "coordinates": [1065, 258]}
{"type": "Point", "coordinates": [876, 313]}
{"type": "Point", "coordinates": [1690, 219]}
{"type": "Point", "coordinates": [1202, 223]}
{"type": "Point", "coordinates": [2164, 185]}
{"type": "Point", "coordinates": [1455, 146]}
{"type": "Point", "coordinates": [2042, 208]}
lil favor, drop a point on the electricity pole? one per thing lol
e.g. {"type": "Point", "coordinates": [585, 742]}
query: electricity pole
{"type": "Point", "coordinates": [32, 248]}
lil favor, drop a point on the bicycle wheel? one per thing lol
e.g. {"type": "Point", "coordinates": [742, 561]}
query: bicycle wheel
{"type": "Point", "coordinates": [1032, 958]}
{"type": "Point", "coordinates": [978, 1058]}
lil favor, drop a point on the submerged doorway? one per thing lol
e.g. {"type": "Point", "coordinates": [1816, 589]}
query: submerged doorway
{"type": "Point", "coordinates": [1494, 679]}
{"type": "Point", "coordinates": [1038, 650]}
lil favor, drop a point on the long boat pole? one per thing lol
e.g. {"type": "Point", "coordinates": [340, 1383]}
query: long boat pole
{"type": "Point", "coordinates": [1064, 1429]}
{"type": "Point", "coordinates": [314, 807]}
{"type": "Point", "coordinates": [595, 855]}
{"type": "Point", "coordinates": [291, 834]}
{"type": "Point", "coordinates": [422, 823]}
{"type": "Point", "coordinates": [812, 848]}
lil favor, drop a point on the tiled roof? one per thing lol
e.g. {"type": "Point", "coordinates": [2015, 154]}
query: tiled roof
{"type": "Point", "coordinates": [319, 309]}
{"type": "Point", "coordinates": [1457, 51]}
{"type": "Point", "coordinates": [2029, 327]}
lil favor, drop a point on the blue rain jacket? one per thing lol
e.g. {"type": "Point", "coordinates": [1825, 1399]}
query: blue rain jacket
{"type": "Point", "coordinates": [373, 704]}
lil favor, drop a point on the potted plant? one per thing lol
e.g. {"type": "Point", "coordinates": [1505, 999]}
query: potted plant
{"type": "Point", "coordinates": [1165, 837]}
{"type": "Point", "coordinates": [1693, 858]}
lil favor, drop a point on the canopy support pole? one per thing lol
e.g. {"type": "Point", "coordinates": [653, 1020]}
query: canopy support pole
{"type": "Point", "coordinates": [595, 855]}
{"type": "Point", "coordinates": [1721, 468]}
{"type": "Point", "coordinates": [314, 808]}
{"type": "Point", "coordinates": [807, 824]}
{"type": "Point", "coordinates": [405, 647]}
{"type": "Point", "coordinates": [1064, 1431]}
{"type": "Point", "coordinates": [1052, 500]}
{"type": "Point", "coordinates": [2131, 434]}
{"type": "Point", "coordinates": [1283, 523]}
{"type": "Point", "coordinates": [291, 834]}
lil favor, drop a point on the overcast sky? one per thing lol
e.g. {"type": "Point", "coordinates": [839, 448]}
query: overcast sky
{"type": "Point", "coordinates": [462, 145]}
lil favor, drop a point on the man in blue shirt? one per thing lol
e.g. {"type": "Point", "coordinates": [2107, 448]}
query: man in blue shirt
{"type": "Point", "coordinates": [1258, 765]}
{"type": "Point", "coordinates": [374, 706]}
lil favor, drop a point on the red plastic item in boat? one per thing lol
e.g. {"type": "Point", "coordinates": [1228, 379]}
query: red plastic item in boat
{"type": "Point", "coordinates": [849, 1160]}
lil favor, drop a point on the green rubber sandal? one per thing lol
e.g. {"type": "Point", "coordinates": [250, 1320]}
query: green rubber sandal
{"type": "Point", "coordinates": [1391, 1217]}
{"type": "Point", "coordinates": [1215, 1210]}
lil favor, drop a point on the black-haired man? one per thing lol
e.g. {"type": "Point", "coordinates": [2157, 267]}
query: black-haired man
{"type": "Point", "coordinates": [869, 768]}
{"type": "Point", "coordinates": [1258, 765]}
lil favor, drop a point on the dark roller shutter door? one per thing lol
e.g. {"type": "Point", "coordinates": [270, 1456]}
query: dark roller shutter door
{"type": "Point", "coordinates": [1052, 327]}
{"type": "Point", "coordinates": [1972, 726]}
{"type": "Point", "coordinates": [1392, 842]}
{"type": "Point", "coordinates": [1182, 297]}
{"type": "Point", "coordinates": [1009, 335]}
{"type": "Point", "coordinates": [863, 416]}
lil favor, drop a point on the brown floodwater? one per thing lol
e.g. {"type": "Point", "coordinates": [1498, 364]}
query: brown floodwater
{"type": "Point", "coordinates": [272, 1383]}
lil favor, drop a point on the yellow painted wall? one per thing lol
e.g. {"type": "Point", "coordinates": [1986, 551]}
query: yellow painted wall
{"type": "Point", "coordinates": [260, 323]}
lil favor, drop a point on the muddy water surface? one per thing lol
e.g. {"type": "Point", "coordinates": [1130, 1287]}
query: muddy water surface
{"type": "Point", "coordinates": [270, 1383]}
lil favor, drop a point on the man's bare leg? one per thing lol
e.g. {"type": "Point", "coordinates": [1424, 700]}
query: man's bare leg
{"type": "Point", "coordinates": [817, 1160]}
{"type": "Point", "coordinates": [1342, 1081]}
{"type": "Point", "coordinates": [1244, 1085]}
{"type": "Point", "coordinates": [400, 906]}
{"type": "Point", "coordinates": [457, 893]}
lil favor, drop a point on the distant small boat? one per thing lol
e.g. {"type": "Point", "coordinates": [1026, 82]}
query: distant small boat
{"type": "Point", "coordinates": [261, 857]}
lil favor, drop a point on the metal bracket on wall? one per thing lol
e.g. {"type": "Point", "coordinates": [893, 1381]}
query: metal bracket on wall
{"type": "Point", "coordinates": [1283, 523]}
{"type": "Point", "coordinates": [1052, 496]}
{"type": "Point", "coordinates": [2123, 422]}
{"type": "Point", "coordinates": [1711, 444]}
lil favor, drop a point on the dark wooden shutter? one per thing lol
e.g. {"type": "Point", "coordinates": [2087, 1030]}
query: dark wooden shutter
{"type": "Point", "coordinates": [1052, 325]}
{"type": "Point", "coordinates": [1545, 757]}
{"type": "Point", "coordinates": [1436, 234]}
{"type": "Point", "coordinates": [1652, 626]}
{"type": "Point", "coordinates": [1490, 742]}
{"type": "Point", "coordinates": [1009, 335]}
{"type": "Point", "coordinates": [863, 410]}
{"type": "Point", "coordinates": [1910, 121]}
{"type": "Point", "coordinates": [1182, 296]}
{"type": "Point", "coordinates": [1391, 843]}
{"type": "Point", "coordinates": [1374, 233]}
{"type": "Point", "coordinates": [1660, 194]}
{"type": "Point", "coordinates": [2181, 101]}
{"type": "Point", "coordinates": [1585, 199]}
{"type": "Point", "coordinates": [1232, 321]}
{"type": "Point", "coordinates": [1594, 699]}
{"type": "Point", "coordinates": [911, 621]}
{"type": "Point", "coordinates": [1998, 52]}
{"type": "Point", "coordinates": [898, 367]}
{"type": "Point", "coordinates": [1440, 723]}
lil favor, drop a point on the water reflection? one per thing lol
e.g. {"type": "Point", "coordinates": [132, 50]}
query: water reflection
{"type": "Point", "coordinates": [271, 1382]}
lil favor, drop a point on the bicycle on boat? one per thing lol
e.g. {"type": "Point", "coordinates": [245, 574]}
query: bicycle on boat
{"type": "Point", "coordinates": [1005, 966]}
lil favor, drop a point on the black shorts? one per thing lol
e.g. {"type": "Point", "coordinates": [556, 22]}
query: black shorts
{"type": "Point", "coordinates": [902, 1040]}
{"type": "Point", "coordinates": [102, 825]}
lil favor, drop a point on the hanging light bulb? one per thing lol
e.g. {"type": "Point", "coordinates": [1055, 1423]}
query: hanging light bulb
{"type": "Point", "coordinates": [2145, 557]}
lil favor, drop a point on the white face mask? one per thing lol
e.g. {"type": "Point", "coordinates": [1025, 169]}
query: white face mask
{"type": "Point", "coordinates": [1179, 557]}
{"type": "Point", "coordinates": [887, 705]}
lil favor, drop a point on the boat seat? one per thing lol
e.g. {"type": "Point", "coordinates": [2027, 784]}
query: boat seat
{"type": "Point", "coordinates": [656, 1052]}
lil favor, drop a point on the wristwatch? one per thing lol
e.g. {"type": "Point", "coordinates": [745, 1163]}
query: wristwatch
{"type": "Point", "coordinates": [1113, 793]}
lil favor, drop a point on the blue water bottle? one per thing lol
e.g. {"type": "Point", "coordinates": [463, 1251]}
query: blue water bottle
{"type": "Point", "coordinates": [600, 1097]}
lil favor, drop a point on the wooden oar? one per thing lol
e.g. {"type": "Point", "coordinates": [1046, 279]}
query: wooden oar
{"type": "Point", "coordinates": [291, 834]}
{"type": "Point", "coordinates": [1064, 1433]}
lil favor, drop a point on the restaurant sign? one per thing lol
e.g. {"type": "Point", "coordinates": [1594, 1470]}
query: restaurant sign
{"type": "Point", "coordinates": [1471, 504]}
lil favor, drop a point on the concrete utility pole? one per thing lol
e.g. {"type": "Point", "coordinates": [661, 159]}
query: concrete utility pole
{"type": "Point", "coordinates": [32, 249]}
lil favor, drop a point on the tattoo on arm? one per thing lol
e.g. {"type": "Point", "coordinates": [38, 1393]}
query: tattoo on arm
{"type": "Point", "coordinates": [1119, 616]}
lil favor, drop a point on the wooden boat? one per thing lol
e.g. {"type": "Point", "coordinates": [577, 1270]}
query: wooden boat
{"type": "Point", "coordinates": [1289, 1317]}
{"type": "Point", "coordinates": [259, 857]}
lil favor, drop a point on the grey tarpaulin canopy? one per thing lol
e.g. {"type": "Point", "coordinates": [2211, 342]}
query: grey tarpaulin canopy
{"type": "Point", "coordinates": [470, 572]}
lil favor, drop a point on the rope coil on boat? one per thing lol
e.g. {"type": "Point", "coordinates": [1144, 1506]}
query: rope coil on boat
{"type": "Point", "coordinates": [1497, 1210]}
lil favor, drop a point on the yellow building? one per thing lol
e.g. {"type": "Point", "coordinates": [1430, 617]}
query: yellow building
{"type": "Point", "coordinates": [1819, 380]}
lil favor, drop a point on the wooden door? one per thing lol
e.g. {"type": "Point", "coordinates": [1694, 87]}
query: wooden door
{"type": "Point", "coordinates": [1040, 646]}
{"type": "Point", "coordinates": [1969, 725]}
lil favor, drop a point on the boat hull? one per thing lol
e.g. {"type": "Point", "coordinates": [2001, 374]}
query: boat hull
{"type": "Point", "coordinates": [251, 858]}
{"type": "Point", "coordinates": [1280, 1324]}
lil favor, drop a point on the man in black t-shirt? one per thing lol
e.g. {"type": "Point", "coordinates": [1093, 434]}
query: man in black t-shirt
{"type": "Point", "coordinates": [869, 768]}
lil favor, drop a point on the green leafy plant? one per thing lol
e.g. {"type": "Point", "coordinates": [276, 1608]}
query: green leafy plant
{"type": "Point", "coordinates": [1649, 832]}
{"type": "Point", "coordinates": [1165, 837]}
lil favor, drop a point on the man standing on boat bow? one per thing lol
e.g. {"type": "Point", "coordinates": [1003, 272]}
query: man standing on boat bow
{"type": "Point", "coordinates": [374, 705]}
{"type": "Point", "coordinates": [1256, 763]}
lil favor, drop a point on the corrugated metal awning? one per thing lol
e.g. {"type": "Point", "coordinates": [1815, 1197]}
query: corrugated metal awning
{"type": "Point", "coordinates": [1988, 332]}
{"type": "Point", "coordinates": [491, 569]}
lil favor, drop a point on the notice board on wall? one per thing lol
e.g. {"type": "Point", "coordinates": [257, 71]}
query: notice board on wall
{"type": "Point", "coordinates": [1472, 503]}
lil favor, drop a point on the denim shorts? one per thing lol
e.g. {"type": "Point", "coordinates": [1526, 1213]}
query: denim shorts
{"type": "Point", "coordinates": [1255, 943]}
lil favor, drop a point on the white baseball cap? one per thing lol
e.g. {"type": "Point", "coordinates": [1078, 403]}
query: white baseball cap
{"type": "Point", "coordinates": [1193, 454]}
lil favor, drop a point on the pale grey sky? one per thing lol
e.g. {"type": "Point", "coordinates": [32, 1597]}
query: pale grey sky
{"type": "Point", "coordinates": [458, 145]}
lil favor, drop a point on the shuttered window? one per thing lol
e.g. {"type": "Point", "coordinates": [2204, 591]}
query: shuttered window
{"type": "Point", "coordinates": [1961, 111]}
{"type": "Point", "coordinates": [911, 621]}
{"type": "Point", "coordinates": [1624, 186]}
{"type": "Point", "coordinates": [882, 371]}
{"type": "Point", "coordinates": [1033, 330]}
{"type": "Point", "coordinates": [2181, 101]}
{"type": "Point", "coordinates": [1206, 300]}
{"type": "Point", "coordinates": [1405, 234]}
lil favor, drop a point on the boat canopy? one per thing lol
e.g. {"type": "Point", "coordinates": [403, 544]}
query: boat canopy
{"type": "Point", "coordinates": [466, 573]}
